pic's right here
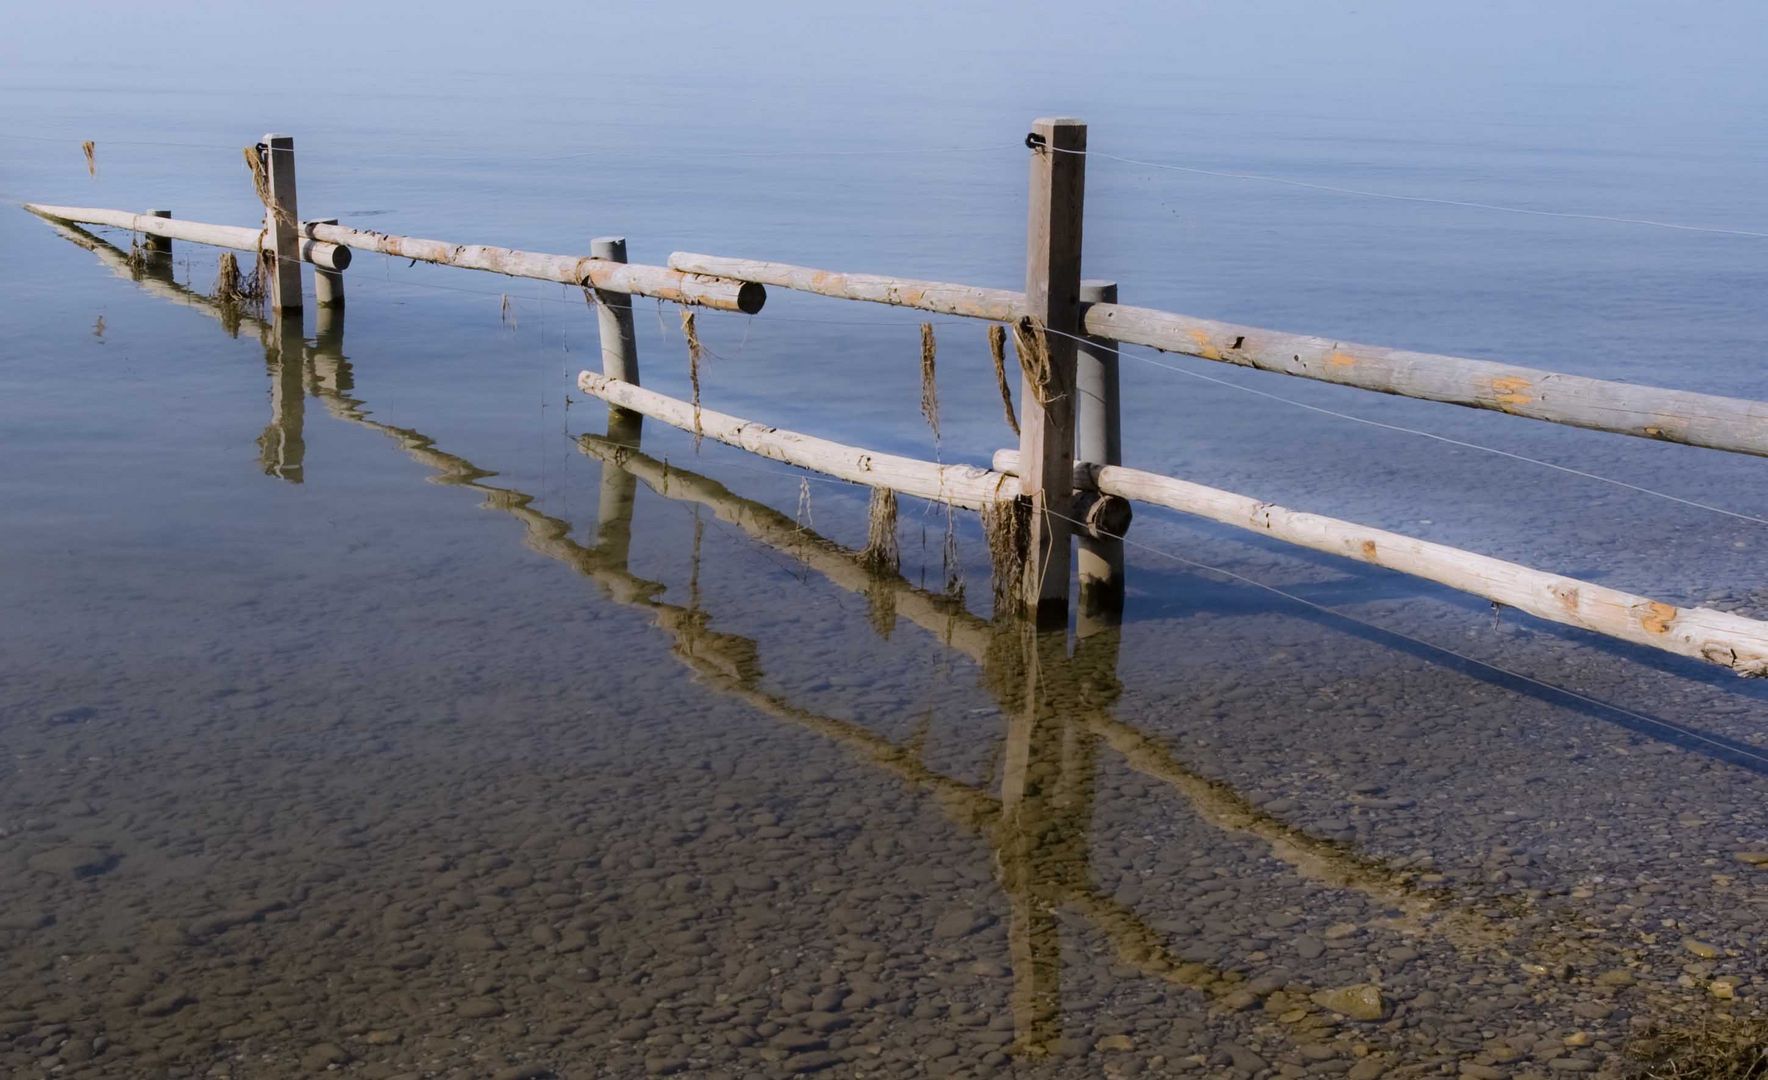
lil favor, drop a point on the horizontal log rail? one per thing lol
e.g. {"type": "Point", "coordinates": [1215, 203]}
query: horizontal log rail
{"type": "Point", "coordinates": [1649, 412]}
{"type": "Point", "coordinates": [326, 256]}
{"type": "Point", "coordinates": [997, 305]}
{"type": "Point", "coordinates": [1718, 637]}
{"type": "Point", "coordinates": [722, 293]}
{"type": "Point", "coordinates": [960, 485]}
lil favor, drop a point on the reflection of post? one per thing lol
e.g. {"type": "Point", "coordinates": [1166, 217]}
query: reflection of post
{"type": "Point", "coordinates": [281, 449]}
{"type": "Point", "coordinates": [330, 370]}
{"type": "Point", "coordinates": [1035, 841]}
{"type": "Point", "coordinates": [619, 489]}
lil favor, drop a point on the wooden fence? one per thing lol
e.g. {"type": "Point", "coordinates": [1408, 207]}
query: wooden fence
{"type": "Point", "coordinates": [1064, 330]}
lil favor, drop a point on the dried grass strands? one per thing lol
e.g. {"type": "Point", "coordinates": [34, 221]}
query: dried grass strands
{"type": "Point", "coordinates": [1033, 348]}
{"type": "Point", "coordinates": [1007, 527]}
{"type": "Point", "coordinates": [883, 553]}
{"type": "Point", "coordinates": [507, 313]}
{"type": "Point", "coordinates": [695, 353]}
{"type": "Point", "coordinates": [997, 348]}
{"type": "Point", "coordinates": [90, 149]}
{"type": "Point", "coordinates": [228, 289]}
{"type": "Point", "coordinates": [261, 184]}
{"type": "Point", "coordinates": [950, 564]}
{"type": "Point", "coordinates": [929, 387]}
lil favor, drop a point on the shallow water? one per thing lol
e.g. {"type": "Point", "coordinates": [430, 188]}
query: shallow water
{"type": "Point", "coordinates": [364, 705]}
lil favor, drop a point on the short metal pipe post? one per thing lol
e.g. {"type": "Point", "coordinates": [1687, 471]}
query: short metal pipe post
{"type": "Point", "coordinates": [157, 245]}
{"type": "Point", "coordinates": [614, 316]}
{"type": "Point", "coordinates": [1098, 440]}
{"type": "Point", "coordinates": [328, 285]}
{"type": "Point", "coordinates": [282, 219]}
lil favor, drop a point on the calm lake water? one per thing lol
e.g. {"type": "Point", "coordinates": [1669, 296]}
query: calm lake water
{"type": "Point", "coordinates": [365, 708]}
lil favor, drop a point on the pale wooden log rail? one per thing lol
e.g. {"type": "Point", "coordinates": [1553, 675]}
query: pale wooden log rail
{"type": "Point", "coordinates": [1681, 416]}
{"type": "Point", "coordinates": [725, 294]}
{"type": "Point", "coordinates": [960, 485]}
{"type": "Point", "coordinates": [237, 237]}
{"type": "Point", "coordinates": [1717, 637]}
{"type": "Point", "coordinates": [1649, 412]}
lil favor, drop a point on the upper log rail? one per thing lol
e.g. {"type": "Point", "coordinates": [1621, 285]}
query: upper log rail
{"type": "Point", "coordinates": [327, 256]}
{"type": "Point", "coordinates": [328, 246]}
{"type": "Point", "coordinates": [1681, 416]}
{"type": "Point", "coordinates": [1718, 637]}
{"type": "Point", "coordinates": [721, 293]}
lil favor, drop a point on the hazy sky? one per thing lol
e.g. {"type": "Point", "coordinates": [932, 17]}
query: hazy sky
{"type": "Point", "coordinates": [1663, 58]}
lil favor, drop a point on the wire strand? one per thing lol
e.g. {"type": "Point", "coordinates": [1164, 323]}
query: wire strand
{"type": "Point", "coordinates": [1117, 350]}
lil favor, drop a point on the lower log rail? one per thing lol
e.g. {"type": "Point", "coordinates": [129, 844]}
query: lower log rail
{"type": "Point", "coordinates": [1718, 637]}
{"type": "Point", "coordinates": [960, 485]}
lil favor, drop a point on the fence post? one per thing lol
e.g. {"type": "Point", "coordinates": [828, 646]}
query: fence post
{"type": "Point", "coordinates": [157, 245]}
{"type": "Point", "coordinates": [614, 316]}
{"type": "Point", "coordinates": [283, 219]}
{"type": "Point", "coordinates": [1052, 300]}
{"type": "Point", "coordinates": [1098, 438]}
{"type": "Point", "coordinates": [328, 285]}
{"type": "Point", "coordinates": [613, 312]}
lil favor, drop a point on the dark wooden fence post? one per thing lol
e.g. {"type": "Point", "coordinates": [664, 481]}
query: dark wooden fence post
{"type": "Point", "coordinates": [1052, 303]}
{"type": "Point", "coordinates": [283, 218]}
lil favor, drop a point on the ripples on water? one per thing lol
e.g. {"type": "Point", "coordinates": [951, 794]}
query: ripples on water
{"type": "Point", "coordinates": [369, 701]}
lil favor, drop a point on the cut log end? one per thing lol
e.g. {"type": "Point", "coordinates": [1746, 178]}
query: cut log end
{"type": "Point", "coordinates": [751, 297]}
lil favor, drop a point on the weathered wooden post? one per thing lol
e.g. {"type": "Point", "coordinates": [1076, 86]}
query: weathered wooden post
{"type": "Point", "coordinates": [328, 285]}
{"type": "Point", "coordinates": [1052, 303]}
{"type": "Point", "coordinates": [282, 217]}
{"type": "Point", "coordinates": [1098, 440]}
{"type": "Point", "coordinates": [619, 361]}
{"type": "Point", "coordinates": [282, 448]}
{"type": "Point", "coordinates": [157, 245]}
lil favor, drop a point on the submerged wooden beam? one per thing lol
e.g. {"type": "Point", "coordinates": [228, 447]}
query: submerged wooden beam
{"type": "Point", "coordinates": [325, 255]}
{"type": "Point", "coordinates": [1717, 637]}
{"type": "Point", "coordinates": [724, 294]}
{"type": "Point", "coordinates": [1649, 412]}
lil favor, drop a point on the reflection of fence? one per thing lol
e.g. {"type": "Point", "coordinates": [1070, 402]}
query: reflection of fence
{"type": "Point", "coordinates": [1058, 708]}
{"type": "Point", "coordinates": [1063, 329]}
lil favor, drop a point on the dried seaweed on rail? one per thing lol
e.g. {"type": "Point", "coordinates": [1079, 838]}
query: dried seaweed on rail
{"type": "Point", "coordinates": [695, 353]}
{"type": "Point", "coordinates": [929, 388]}
{"type": "Point", "coordinates": [1033, 347]}
{"type": "Point", "coordinates": [882, 554]}
{"type": "Point", "coordinates": [1006, 524]}
{"type": "Point", "coordinates": [90, 149]}
{"type": "Point", "coordinates": [997, 348]}
{"type": "Point", "coordinates": [261, 184]}
{"type": "Point", "coordinates": [950, 564]}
